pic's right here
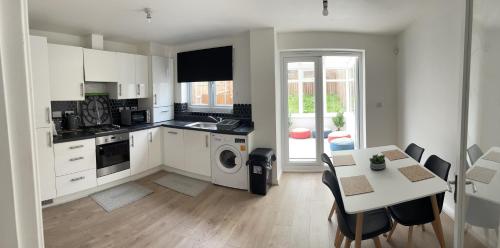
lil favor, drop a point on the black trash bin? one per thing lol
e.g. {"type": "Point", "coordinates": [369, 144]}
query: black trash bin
{"type": "Point", "coordinates": [260, 167]}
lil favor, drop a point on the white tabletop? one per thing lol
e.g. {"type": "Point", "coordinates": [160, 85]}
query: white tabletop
{"type": "Point", "coordinates": [488, 192]}
{"type": "Point", "coordinates": [390, 186]}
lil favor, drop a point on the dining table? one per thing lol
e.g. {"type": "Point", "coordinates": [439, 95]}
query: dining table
{"type": "Point", "coordinates": [389, 186]}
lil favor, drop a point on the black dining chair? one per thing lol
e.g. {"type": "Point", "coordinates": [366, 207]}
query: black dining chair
{"type": "Point", "coordinates": [415, 151]}
{"type": "Point", "coordinates": [474, 153]}
{"type": "Point", "coordinates": [375, 222]}
{"type": "Point", "coordinates": [419, 212]}
{"type": "Point", "coordinates": [326, 160]}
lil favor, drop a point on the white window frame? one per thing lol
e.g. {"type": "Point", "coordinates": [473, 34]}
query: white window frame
{"type": "Point", "coordinates": [211, 107]}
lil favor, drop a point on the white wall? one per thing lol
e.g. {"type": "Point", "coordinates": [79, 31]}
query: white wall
{"type": "Point", "coordinates": [241, 64]}
{"type": "Point", "coordinates": [429, 83]}
{"type": "Point", "coordinates": [380, 75]}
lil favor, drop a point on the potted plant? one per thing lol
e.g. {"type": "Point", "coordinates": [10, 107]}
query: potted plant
{"type": "Point", "coordinates": [339, 120]}
{"type": "Point", "coordinates": [377, 162]}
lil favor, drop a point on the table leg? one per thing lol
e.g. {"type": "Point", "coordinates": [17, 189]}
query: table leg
{"type": "Point", "coordinates": [436, 224]}
{"type": "Point", "coordinates": [359, 230]}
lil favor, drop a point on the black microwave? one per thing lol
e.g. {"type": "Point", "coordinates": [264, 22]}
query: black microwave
{"type": "Point", "coordinates": [135, 117]}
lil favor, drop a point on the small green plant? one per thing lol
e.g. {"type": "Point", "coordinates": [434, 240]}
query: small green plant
{"type": "Point", "coordinates": [339, 120]}
{"type": "Point", "coordinates": [378, 159]}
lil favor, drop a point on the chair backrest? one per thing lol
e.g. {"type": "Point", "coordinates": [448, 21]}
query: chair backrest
{"type": "Point", "coordinates": [441, 168]}
{"type": "Point", "coordinates": [415, 151]}
{"type": "Point", "coordinates": [474, 153]}
{"type": "Point", "coordinates": [330, 180]}
{"type": "Point", "coordinates": [326, 160]}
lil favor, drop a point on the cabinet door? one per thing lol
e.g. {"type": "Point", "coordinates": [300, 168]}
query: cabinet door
{"type": "Point", "coordinates": [126, 76]}
{"type": "Point", "coordinates": [45, 163]}
{"type": "Point", "coordinates": [139, 151]}
{"type": "Point", "coordinates": [66, 73]}
{"type": "Point", "coordinates": [162, 80]}
{"type": "Point", "coordinates": [141, 75]}
{"type": "Point", "coordinates": [155, 152]}
{"type": "Point", "coordinates": [173, 147]}
{"type": "Point", "coordinates": [197, 152]}
{"type": "Point", "coordinates": [41, 86]}
{"type": "Point", "coordinates": [100, 66]}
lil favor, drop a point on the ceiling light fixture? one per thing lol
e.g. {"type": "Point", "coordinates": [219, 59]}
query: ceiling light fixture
{"type": "Point", "coordinates": [325, 7]}
{"type": "Point", "coordinates": [148, 15]}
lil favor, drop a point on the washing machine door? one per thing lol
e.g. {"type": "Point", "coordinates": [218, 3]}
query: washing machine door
{"type": "Point", "coordinates": [228, 159]}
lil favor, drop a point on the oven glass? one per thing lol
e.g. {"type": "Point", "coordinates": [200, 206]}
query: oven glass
{"type": "Point", "coordinates": [113, 153]}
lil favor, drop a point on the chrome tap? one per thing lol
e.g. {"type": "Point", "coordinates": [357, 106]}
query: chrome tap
{"type": "Point", "coordinates": [216, 119]}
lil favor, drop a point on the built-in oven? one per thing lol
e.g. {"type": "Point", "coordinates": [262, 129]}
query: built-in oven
{"type": "Point", "coordinates": [112, 154]}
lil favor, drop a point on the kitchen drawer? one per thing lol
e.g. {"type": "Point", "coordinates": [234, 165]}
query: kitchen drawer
{"type": "Point", "coordinates": [75, 162]}
{"type": "Point", "coordinates": [75, 182]}
{"type": "Point", "coordinates": [163, 113]}
{"type": "Point", "coordinates": [74, 147]}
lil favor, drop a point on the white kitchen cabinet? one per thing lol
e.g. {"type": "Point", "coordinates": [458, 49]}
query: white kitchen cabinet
{"type": "Point", "coordinates": [197, 152]}
{"type": "Point", "coordinates": [173, 148]}
{"type": "Point", "coordinates": [74, 156]}
{"type": "Point", "coordinates": [155, 151]}
{"type": "Point", "coordinates": [66, 73]}
{"type": "Point", "coordinates": [75, 182]}
{"type": "Point", "coordinates": [141, 75]}
{"type": "Point", "coordinates": [45, 163]}
{"type": "Point", "coordinates": [100, 66]}
{"type": "Point", "coordinates": [41, 85]}
{"type": "Point", "coordinates": [125, 88]}
{"type": "Point", "coordinates": [139, 151]}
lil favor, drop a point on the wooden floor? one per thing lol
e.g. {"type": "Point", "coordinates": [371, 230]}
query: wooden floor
{"type": "Point", "coordinates": [293, 214]}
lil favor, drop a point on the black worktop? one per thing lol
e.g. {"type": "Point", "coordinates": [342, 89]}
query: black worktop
{"type": "Point", "coordinates": [81, 135]}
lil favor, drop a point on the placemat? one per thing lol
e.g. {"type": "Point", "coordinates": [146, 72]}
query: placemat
{"type": "Point", "coordinates": [493, 156]}
{"type": "Point", "coordinates": [394, 155]}
{"type": "Point", "coordinates": [415, 173]}
{"type": "Point", "coordinates": [481, 174]}
{"type": "Point", "coordinates": [343, 160]}
{"type": "Point", "coordinates": [356, 185]}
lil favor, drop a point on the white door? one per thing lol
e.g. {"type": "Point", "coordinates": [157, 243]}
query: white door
{"type": "Point", "coordinates": [173, 148]}
{"type": "Point", "coordinates": [45, 163]}
{"type": "Point", "coordinates": [141, 75]}
{"type": "Point", "coordinates": [155, 151]}
{"type": "Point", "coordinates": [41, 85]}
{"type": "Point", "coordinates": [66, 73]}
{"type": "Point", "coordinates": [197, 152]}
{"type": "Point", "coordinates": [126, 75]}
{"type": "Point", "coordinates": [100, 66]}
{"type": "Point", "coordinates": [139, 151]}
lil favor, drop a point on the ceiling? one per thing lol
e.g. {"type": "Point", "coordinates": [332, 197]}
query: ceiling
{"type": "Point", "coordinates": [178, 21]}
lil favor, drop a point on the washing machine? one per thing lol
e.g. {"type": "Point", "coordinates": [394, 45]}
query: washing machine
{"type": "Point", "coordinates": [229, 157]}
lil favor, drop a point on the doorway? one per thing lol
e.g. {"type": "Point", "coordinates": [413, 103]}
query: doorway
{"type": "Point", "coordinates": [321, 104]}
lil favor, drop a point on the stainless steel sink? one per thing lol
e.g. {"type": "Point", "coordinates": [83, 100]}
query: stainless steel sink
{"type": "Point", "coordinates": [203, 125]}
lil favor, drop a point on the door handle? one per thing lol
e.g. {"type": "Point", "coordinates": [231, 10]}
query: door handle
{"type": "Point", "coordinates": [138, 89]}
{"type": "Point", "coordinates": [49, 134]}
{"type": "Point", "coordinates": [171, 132]}
{"type": "Point", "coordinates": [75, 147]}
{"type": "Point", "coordinates": [48, 115]}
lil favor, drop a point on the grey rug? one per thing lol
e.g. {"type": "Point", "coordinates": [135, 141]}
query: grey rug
{"type": "Point", "coordinates": [182, 184]}
{"type": "Point", "coordinates": [120, 196]}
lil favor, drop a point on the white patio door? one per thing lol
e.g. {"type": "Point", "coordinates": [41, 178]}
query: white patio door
{"type": "Point", "coordinates": [320, 106]}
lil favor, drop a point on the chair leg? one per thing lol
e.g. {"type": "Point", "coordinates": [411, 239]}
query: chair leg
{"type": "Point", "coordinates": [392, 231]}
{"type": "Point", "coordinates": [341, 239]}
{"type": "Point", "coordinates": [410, 236]}
{"type": "Point", "coordinates": [337, 237]}
{"type": "Point", "coordinates": [376, 240]}
{"type": "Point", "coordinates": [347, 243]}
{"type": "Point", "coordinates": [423, 227]}
{"type": "Point", "coordinates": [332, 211]}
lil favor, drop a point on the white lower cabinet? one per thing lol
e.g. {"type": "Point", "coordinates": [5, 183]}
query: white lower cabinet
{"type": "Point", "coordinates": [155, 151]}
{"type": "Point", "coordinates": [75, 182]}
{"type": "Point", "coordinates": [173, 148]}
{"type": "Point", "coordinates": [197, 152]}
{"type": "Point", "coordinates": [139, 151]}
{"type": "Point", "coordinates": [45, 162]}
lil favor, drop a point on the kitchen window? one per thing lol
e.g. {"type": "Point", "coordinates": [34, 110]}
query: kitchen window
{"type": "Point", "coordinates": [211, 96]}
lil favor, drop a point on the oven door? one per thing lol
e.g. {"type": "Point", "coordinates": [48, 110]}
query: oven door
{"type": "Point", "coordinates": [112, 158]}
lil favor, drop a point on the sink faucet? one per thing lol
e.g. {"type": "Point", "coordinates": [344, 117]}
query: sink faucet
{"type": "Point", "coordinates": [216, 119]}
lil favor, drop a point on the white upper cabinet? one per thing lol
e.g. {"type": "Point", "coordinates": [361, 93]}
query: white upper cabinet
{"type": "Point", "coordinates": [141, 75]}
{"type": "Point", "coordinates": [66, 73]}
{"type": "Point", "coordinates": [41, 85]}
{"type": "Point", "coordinates": [125, 88]}
{"type": "Point", "coordinates": [100, 66]}
{"type": "Point", "coordinates": [162, 81]}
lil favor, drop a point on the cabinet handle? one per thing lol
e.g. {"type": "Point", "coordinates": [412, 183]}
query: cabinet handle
{"type": "Point", "coordinates": [75, 159]}
{"type": "Point", "coordinates": [120, 89]}
{"type": "Point", "coordinates": [155, 99]}
{"type": "Point", "coordinates": [49, 134]}
{"type": "Point", "coordinates": [132, 140]}
{"type": "Point", "coordinates": [164, 111]}
{"type": "Point", "coordinates": [138, 89]}
{"type": "Point", "coordinates": [206, 140]}
{"type": "Point", "coordinates": [77, 179]}
{"type": "Point", "coordinates": [48, 115]}
{"type": "Point", "coordinates": [81, 89]}
{"type": "Point", "coordinates": [150, 137]}
{"type": "Point", "coordinates": [171, 132]}
{"type": "Point", "coordinates": [76, 147]}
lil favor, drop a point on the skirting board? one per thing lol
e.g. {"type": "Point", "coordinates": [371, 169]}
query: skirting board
{"type": "Point", "coordinates": [185, 173]}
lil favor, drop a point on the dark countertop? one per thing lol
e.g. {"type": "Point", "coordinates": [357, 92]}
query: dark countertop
{"type": "Point", "coordinates": [66, 137]}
